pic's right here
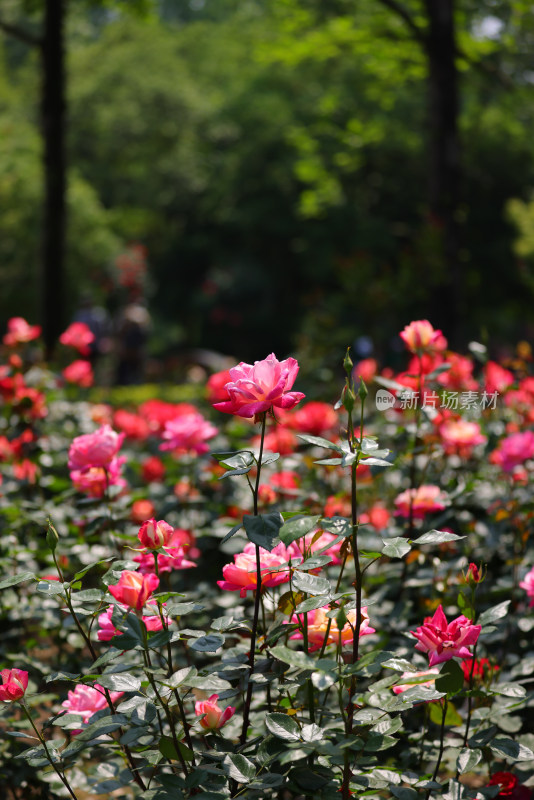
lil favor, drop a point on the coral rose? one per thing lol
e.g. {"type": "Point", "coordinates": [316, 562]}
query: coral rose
{"type": "Point", "coordinates": [213, 717]}
{"type": "Point", "coordinates": [318, 624]}
{"type": "Point", "coordinates": [134, 589]}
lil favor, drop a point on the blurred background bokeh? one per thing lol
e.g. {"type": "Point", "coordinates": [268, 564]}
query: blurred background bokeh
{"type": "Point", "coordinates": [248, 176]}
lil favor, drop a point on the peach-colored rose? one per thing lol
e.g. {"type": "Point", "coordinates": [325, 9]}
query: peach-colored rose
{"type": "Point", "coordinates": [213, 717]}
{"type": "Point", "coordinates": [318, 624]}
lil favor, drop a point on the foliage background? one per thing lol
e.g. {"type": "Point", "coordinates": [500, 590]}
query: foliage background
{"type": "Point", "coordinates": [273, 156]}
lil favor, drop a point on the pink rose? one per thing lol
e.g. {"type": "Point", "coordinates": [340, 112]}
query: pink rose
{"type": "Point", "coordinates": [460, 436]}
{"type": "Point", "coordinates": [425, 500]}
{"type": "Point", "coordinates": [255, 388]}
{"type": "Point", "coordinates": [213, 717]}
{"type": "Point", "coordinates": [444, 640]}
{"type": "Point", "coordinates": [134, 589]}
{"type": "Point", "coordinates": [497, 378]}
{"type": "Point", "coordinates": [107, 629]}
{"type": "Point", "coordinates": [528, 585]}
{"type": "Point", "coordinates": [95, 481]}
{"type": "Point", "coordinates": [241, 576]}
{"type": "Point", "coordinates": [188, 433]}
{"type": "Point", "coordinates": [514, 450]}
{"type": "Point", "coordinates": [95, 449]}
{"type": "Point", "coordinates": [14, 684]}
{"type": "Point", "coordinates": [79, 336]}
{"type": "Point", "coordinates": [154, 535]}
{"type": "Point", "coordinates": [86, 701]}
{"type": "Point", "coordinates": [420, 337]}
{"type": "Point", "coordinates": [318, 624]}
{"type": "Point", "coordinates": [19, 332]}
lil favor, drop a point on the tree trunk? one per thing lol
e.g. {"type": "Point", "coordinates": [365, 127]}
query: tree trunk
{"type": "Point", "coordinates": [53, 128]}
{"type": "Point", "coordinates": [444, 162]}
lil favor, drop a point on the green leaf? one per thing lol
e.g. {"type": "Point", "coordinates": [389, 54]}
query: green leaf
{"type": "Point", "coordinates": [292, 657]}
{"type": "Point", "coordinates": [239, 768]}
{"type": "Point", "coordinates": [101, 726]}
{"type": "Point", "coordinates": [468, 759]}
{"type": "Point", "coordinates": [90, 566]}
{"type": "Point", "coordinates": [120, 682]}
{"type": "Point", "coordinates": [508, 748]}
{"type": "Point", "coordinates": [168, 750]}
{"type": "Point", "coordinates": [312, 584]}
{"type": "Point", "coordinates": [263, 529]}
{"type": "Point", "coordinates": [19, 578]}
{"type": "Point", "coordinates": [311, 604]}
{"type": "Point", "coordinates": [208, 683]}
{"type": "Point", "coordinates": [376, 462]}
{"type": "Point", "coordinates": [232, 532]}
{"type": "Point", "coordinates": [52, 587]}
{"type": "Point", "coordinates": [451, 717]}
{"type": "Point", "coordinates": [436, 537]}
{"type": "Point", "coordinates": [509, 689]}
{"type": "Point", "coordinates": [314, 562]}
{"type": "Point", "coordinates": [297, 527]}
{"type": "Point", "coordinates": [282, 726]}
{"type": "Point", "coordinates": [399, 664]}
{"type": "Point", "coordinates": [492, 614]}
{"type": "Point", "coordinates": [312, 733]}
{"type": "Point", "coordinates": [207, 644]}
{"type": "Point", "coordinates": [396, 547]}
{"type": "Point", "coordinates": [451, 678]}
{"type": "Point", "coordinates": [319, 441]}
{"type": "Point", "coordinates": [180, 676]}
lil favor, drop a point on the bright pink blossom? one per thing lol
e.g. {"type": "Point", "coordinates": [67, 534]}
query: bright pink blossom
{"type": "Point", "coordinates": [318, 625]}
{"type": "Point", "coordinates": [213, 717]}
{"type": "Point", "coordinates": [514, 450]}
{"type": "Point", "coordinates": [188, 434]}
{"type": "Point", "coordinates": [134, 589]}
{"type": "Point", "coordinates": [86, 701]}
{"type": "Point", "coordinates": [444, 640]}
{"type": "Point", "coordinates": [79, 336]}
{"type": "Point", "coordinates": [425, 500]}
{"type": "Point", "coordinates": [20, 332]}
{"type": "Point", "coordinates": [14, 684]}
{"type": "Point", "coordinates": [80, 373]}
{"type": "Point", "coordinates": [528, 585]}
{"type": "Point", "coordinates": [420, 337]}
{"type": "Point", "coordinates": [158, 412]}
{"type": "Point", "coordinates": [459, 377]}
{"type": "Point", "coordinates": [95, 449]}
{"type": "Point", "coordinates": [154, 535]}
{"type": "Point", "coordinates": [107, 630]}
{"type": "Point", "coordinates": [255, 388]}
{"type": "Point", "coordinates": [241, 576]}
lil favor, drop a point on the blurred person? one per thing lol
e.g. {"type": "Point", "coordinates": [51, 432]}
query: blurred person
{"type": "Point", "coordinates": [132, 331]}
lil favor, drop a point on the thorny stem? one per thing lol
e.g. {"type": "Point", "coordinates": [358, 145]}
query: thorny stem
{"type": "Point", "coordinates": [165, 623]}
{"type": "Point", "coordinates": [251, 658]}
{"type": "Point", "coordinates": [165, 706]}
{"type": "Point", "coordinates": [126, 750]}
{"type": "Point", "coordinates": [441, 744]}
{"type": "Point", "coordinates": [357, 584]}
{"type": "Point", "coordinates": [41, 738]}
